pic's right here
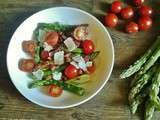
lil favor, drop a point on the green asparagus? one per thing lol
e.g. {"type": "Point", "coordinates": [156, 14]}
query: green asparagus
{"type": "Point", "coordinates": [141, 83]}
{"type": "Point", "coordinates": [154, 89]}
{"type": "Point", "coordinates": [93, 55]}
{"type": "Point", "coordinates": [149, 109]}
{"type": "Point", "coordinates": [154, 57]}
{"type": "Point", "coordinates": [138, 100]}
{"type": "Point", "coordinates": [80, 80]}
{"type": "Point", "coordinates": [37, 54]}
{"type": "Point", "coordinates": [157, 103]}
{"type": "Point", "coordinates": [69, 87]}
{"type": "Point", "coordinates": [140, 62]}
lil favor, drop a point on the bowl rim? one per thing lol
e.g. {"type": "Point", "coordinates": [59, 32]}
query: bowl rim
{"type": "Point", "coordinates": [106, 77]}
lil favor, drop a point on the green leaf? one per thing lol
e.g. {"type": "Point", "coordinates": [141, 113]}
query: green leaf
{"type": "Point", "coordinates": [37, 55]}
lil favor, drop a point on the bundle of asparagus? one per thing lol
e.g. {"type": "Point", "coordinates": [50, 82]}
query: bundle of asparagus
{"type": "Point", "coordinates": [146, 83]}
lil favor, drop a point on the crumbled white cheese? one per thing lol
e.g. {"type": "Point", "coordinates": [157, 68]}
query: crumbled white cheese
{"type": "Point", "coordinates": [57, 75]}
{"type": "Point", "coordinates": [38, 74]}
{"type": "Point", "coordinates": [74, 64]}
{"type": "Point", "coordinates": [70, 44]}
{"type": "Point", "coordinates": [89, 64]}
{"type": "Point", "coordinates": [59, 58]}
{"type": "Point", "coordinates": [47, 47]}
{"type": "Point", "coordinates": [81, 62]}
{"type": "Point", "coordinates": [82, 65]}
{"type": "Point", "coordinates": [77, 58]}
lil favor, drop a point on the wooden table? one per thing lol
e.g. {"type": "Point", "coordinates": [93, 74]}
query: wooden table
{"type": "Point", "coordinates": [109, 104]}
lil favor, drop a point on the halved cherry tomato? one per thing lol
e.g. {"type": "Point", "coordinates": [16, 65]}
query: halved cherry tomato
{"type": "Point", "coordinates": [88, 46]}
{"type": "Point", "coordinates": [92, 68]}
{"type": "Point", "coordinates": [127, 13]}
{"type": "Point", "coordinates": [44, 55]}
{"type": "Point", "coordinates": [111, 20]}
{"type": "Point", "coordinates": [52, 38]}
{"type": "Point", "coordinates": [55, 90]}
{"type": "Point", "coordinates": [71, 71]}
{"type": "Point", "coordinates": [145, 11]}
{"type": "Point", "coordinates": [145, 23]}
{"type": "Point", "coordinates": [116, 6]}
{"type": "Point", "coordinates": [80, 33]}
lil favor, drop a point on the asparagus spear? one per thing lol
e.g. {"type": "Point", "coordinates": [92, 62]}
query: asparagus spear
{"type": "Point", "coordinates": [151, 60]}
{"type": "Point", "coordinates": [37, 55]}
{"type": "Point", "coordinates": [141, 83]}
{"type": "Point", "coordinates": [140, 62]}
{"type": "Point", "coordinates": [149, 109]}
{"type": "Point", "coordinates": [154, 89]}
{"type": "Point", "coordinates": [93, 55]}
{"type": "Point", "coordinates": [138, 100]}
{"type": "Point", "coordinates": [157, 103]}
{"type": "Point", "coordinates": [69, 87]}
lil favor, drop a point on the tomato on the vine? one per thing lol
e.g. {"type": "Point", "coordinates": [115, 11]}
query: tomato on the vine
{"type": "Point", "coordinates": [127, 13]}
{"type": "Point", "coordinates": [71, 71]}
{"type": "Point", "coordinates": [111, 20]}
{"type": "Point", "coordinates": [138, 2]}
{"type": "Point", "coordinates": [55, 91]}
{"type": "Point", "coordinates": [88, 46]}
{"type": "Point", "coordinates": [116, 6]}
{"type": "Point", "coordinates": [145, 11]}
{"type": "Point", "coordinates": [132, 27]}
{"type": "Point", "coordinates": [144, 23]}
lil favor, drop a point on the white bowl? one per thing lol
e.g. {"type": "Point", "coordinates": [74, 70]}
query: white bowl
{"type": "Point", "coordinates": [64, 15]}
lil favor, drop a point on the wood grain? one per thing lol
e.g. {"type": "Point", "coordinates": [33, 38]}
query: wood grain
{"type": "Point", "coordinates": [109, 104]}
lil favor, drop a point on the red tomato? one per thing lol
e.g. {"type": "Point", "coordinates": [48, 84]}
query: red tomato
{"type": "Point", "coordinates": [127, 13]}
{"type": "Point", "coordinates": [55, 90]}
{"type": "Point", "coordinates": [44, 55]}
{"type": "Point", "coordinates": [132, 27]}
{"type": "Point", "coordinates": [88, 46]}
{"type": "Point", "coordinates": [145, 23]}
{"type": "Point", "coordinates": [80, 33]}
{"type": "Point", "coordinates": [145, 11]}
{"type": "Point", "coordinates": [116, 6]}
{"type": "Point", "coordinates": [71, 71]}
{"type": "Point", "coordinates": [138, 2]}
{"type": "Point", "coordinates": [52, 38]}
{"type": "Point", "coordinates": [92, 68]}
{"type": "Point", "coordinates": [111, 20]}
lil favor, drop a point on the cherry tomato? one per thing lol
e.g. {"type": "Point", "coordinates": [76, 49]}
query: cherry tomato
{"type": "Point", "coordinates": [145, 23]}
{"type": "Point", "coordinates": [116, 6]}
{"type": "Point", "coordinates": [80, 33]}
{"type": "Point", "coordinates": [132, 27]}
{"type": "Point", "coordinates": [52, 38]}
{"type": "Point", "coordinates": [55, 90]}
{"type": "Point", "coordinates": [138, 2]}
{"type": "Point", "coordinates": [44, 55]}
{"type": "Point", "coordinates": [88, 46]}
{"type": "Point", "coordinates": [92, 68]}
{"type": "Point", "coordinates": [145, 11]}
{"type": "Point", "coordinates": [127, 13]}
{"type": "Point", "coordinates": [71, 71]}
{"type": "Point", "coordinates": [111, 20]}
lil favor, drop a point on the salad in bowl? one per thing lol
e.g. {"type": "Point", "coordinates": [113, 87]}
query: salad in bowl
{"type": "Point", "coordinates": [61, 57]}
